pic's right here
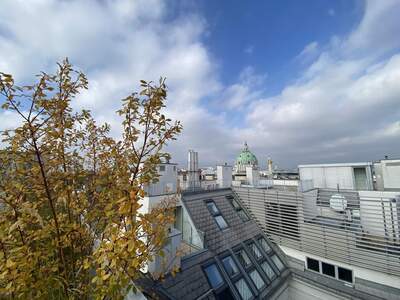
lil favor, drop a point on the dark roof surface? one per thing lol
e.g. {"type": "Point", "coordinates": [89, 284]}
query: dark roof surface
{"type": "Point", "coordinates": [191, 282]}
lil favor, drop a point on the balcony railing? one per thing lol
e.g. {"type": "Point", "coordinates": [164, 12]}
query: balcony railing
{"type": "Point", "coordinates": [355, 228]}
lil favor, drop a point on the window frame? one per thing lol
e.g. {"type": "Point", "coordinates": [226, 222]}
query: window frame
{"type": "Point", "coordinates": [248, 286]}
{"type": "Point", "coordinates": [216, 214]}
{"type": "Point", "coordinates": [328, 265]}
{"type": "Point", "coordinates": [210, 201]}
{"type": "Point", "coordinates": [245, 217]}
{"type": "Point", "coordinates": [238, 273]}
{"type": "Point", "coordinates": [273, 262]}
{"type": "Point", "coordinates": [255, 264]}
{"type": "Point", "coordinates": [207, 265]}
{"type": "Point", "coordinates": [257, 258]}
{"type": "Point", "coordinates": [239, 249]}
{"type": "Point", "coordinates": [241, 274]}
{"type": "Point", "coordinates": [336, 269]}
{"type": "Point", "coordinates": [272, 268]}
{"type": "Point", "coordinates": [260, 237]}
{"type": "Point", "coordinates": [352, 275]}
{"type": "Point", "coordinates": [266, 283]}
{"type": "Point", "coordinates": [318, 262]}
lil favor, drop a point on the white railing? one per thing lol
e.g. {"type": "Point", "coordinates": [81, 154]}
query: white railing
{"type": "Point", "coordinates": [364, 231]}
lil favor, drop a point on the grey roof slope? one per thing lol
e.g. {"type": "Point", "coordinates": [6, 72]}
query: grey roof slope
{"type": "Point", "coordinates": [191, 282]}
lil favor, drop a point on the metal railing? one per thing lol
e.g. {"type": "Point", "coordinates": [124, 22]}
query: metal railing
{"type": "Point", "coordinates": [192, 241]}
{"type": "Point", "coordinates": [346, 226]}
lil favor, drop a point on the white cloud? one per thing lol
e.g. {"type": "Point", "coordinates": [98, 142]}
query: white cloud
{"type": "Point", "coordinates": [344, 106]}
{"type": "Point", "coordinates": [116, 43]}
{"type": "Point", "coordinates": [378, 31]}
{"type": "Point", "coordinates": [309, 53]}
{"type": "Point", "coordinates": [247, 89]}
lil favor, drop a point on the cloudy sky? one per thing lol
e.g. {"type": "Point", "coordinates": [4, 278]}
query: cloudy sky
{"type": "Point", "coordinates": [300, 81]}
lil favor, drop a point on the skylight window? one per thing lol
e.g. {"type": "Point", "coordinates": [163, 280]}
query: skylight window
{"type": "Point", "coordinates": [268, 270]}
{"type": "Point", "coordinates": [212, 208]}
{"type": "Point", "coordinates": [230, 266]}
{"type": "Point", "coordinates": [264, 245]}
{"type": "Point", "coordinates": [242, 214]}
{"type": "Point", "coordinates": [257, 280]}
{"type": "Point", "coordinates": [214, 211]}
{"type": "Point", "coordinates": [214, 276]}
{"type": "Point", "coordinates": [277, 262]}
{"type": "Point", "coordinates": [243, 289]}
{"type": "Point", "coordinates": [257, 254]}
{"type": "Point", "coordinates": [243, 258]}
{"type": "Point", "coordinates": [221, 222]}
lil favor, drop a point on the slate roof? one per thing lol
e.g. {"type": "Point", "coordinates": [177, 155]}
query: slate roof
{"type": "Point", "coordinates": [191, 282]}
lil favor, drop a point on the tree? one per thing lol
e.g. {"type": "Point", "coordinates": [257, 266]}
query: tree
{"type": "Point", "coordinates": [70, 224]}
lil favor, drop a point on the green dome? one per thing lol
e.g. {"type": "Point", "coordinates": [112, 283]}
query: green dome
{"type": "Point", "coordinates": [246, 157]}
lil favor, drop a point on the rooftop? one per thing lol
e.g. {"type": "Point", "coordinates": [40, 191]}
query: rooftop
{"type": "Point", "coordinates": [238, 258]}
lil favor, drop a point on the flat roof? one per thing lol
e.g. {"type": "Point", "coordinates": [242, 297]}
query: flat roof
{"type": "Point", "coordinates": [356, 164]}
{"type": "Point", "coordinates": [336, 165]}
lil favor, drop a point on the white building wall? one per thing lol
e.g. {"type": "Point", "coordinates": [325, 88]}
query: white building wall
{"type": "Point", "coordinates": [224, 176]}
{"type": "Point", "coordinates": [329, 177]}
{"type": "Point", "coordinates": [391, 174]}
{"type": "Point", "coordinates": [367, 274]}
{"type": "Point", "coordinates": [167, 181]}
{"type": "Point", "coordinates": [193, 174]}
{"type": "Point", "coordinates": [253, 176]}
{"type": "Point", "coordinates": [333, 175]}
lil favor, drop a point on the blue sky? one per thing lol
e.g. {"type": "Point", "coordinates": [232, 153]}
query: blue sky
{"type": "Point", "coordinates": [270, 34]}
{"type": "Point", "coordinates": [300, 81]}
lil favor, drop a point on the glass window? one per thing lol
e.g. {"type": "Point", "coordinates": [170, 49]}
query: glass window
{"type": "Point", "coordinates": [257, 254]}
{"type": "Point", "coordinates": [235, 204]}
{"type": "Point", "coordinates": [243, 215]}
{"type": "Point", "coordinates": [345, 274]}
{"type": "Point", "coordinates": [230, 266]}
{"type": "Point", "coordinates": [243, 258]}
{"type": "Point", "coordinates": [257, 280]}
{"type": "Point", "coordinates": [214, 276]}
{"type": "Point", "coordinates": [212, 208]}
{"type": "Point", "coordinates": [277, 262]}
{"type": "Point", "coordinates": [268, 270]}
{"type": "Point", "coordinates": [264, 245]}
{"type": "Point", "coordinates": [221, 222]}
{"type": "Point", "coordinates": [328, 269]}
{"type": "Point", "coordinates": [243, 289]}
{"type": "Point", "coordinates": [312, 264]}
{"type": "Point", "coordinates": [162, 168]}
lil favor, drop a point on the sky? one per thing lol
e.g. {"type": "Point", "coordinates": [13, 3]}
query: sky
{"type": "Point", "coordinates": [314, 81]}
